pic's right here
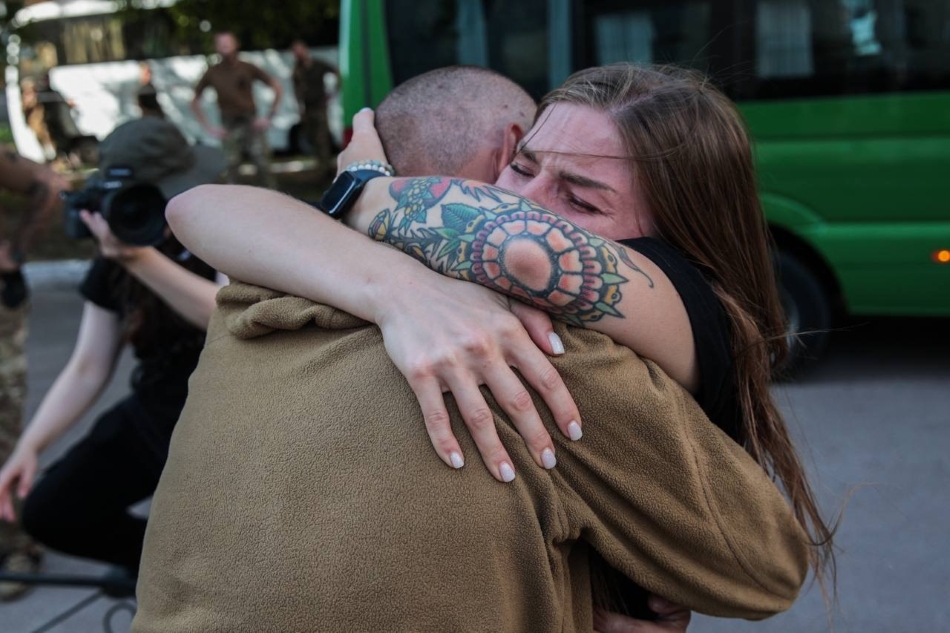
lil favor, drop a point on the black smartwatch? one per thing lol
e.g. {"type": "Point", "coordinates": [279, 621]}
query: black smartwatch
{"type": "Point", "coordinates": [344, 191]}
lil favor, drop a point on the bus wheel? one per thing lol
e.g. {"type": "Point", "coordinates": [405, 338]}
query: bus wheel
{"type": "Point", "coordinates": [808, 314]}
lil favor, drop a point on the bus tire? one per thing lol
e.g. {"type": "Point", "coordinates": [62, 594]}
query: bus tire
{"type": "Point", "coordinates": [808, 314]}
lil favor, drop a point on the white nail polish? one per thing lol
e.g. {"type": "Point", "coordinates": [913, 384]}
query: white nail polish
{"type": "Point", "coordinates": [574, 431]}
{"type": "Point", "coordinates": [507, 473]}
{"type": "Point", "coordinates": [548, 458]}
{"type": "Point", "coordinates": [456, 459]}
{"type": "Point", "coordinates": [556, 344]}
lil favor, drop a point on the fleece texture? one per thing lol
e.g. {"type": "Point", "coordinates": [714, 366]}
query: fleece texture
{"type": "Point", "coordinates": [302, 494]}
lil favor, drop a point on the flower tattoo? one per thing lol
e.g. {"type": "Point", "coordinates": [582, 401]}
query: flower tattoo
{"type": "Point", "coordinates": [572, 274]}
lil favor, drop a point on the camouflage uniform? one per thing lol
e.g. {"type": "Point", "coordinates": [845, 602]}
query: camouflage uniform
{"type": "Point", "coordinates": [12, 401]}
{"type": "Point", "coordinates": [241, 138]}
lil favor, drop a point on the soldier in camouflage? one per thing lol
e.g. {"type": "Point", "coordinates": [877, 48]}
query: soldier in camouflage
{"type": "Point", "coordinates": [40, 186]}
{"type": "Point", "coordinates": [242, 131]}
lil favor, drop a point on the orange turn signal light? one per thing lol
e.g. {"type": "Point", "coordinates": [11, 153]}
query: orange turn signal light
{"type": "Point", "coordinates": [942, 256]}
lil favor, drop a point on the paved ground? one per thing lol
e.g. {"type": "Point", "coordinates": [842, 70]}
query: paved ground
{"type": "Point", "coordinates": [876, 415]}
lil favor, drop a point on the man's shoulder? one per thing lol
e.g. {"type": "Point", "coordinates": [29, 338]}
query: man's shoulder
{"type": "Point", "coordinates": [250, 68]}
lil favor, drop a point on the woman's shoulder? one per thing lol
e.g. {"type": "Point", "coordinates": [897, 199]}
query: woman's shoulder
{"type": "Point", "coordinates": [712, 332]}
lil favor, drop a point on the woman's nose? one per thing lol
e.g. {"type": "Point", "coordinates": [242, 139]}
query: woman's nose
{"type": "Point", "coordinates": [537, 190]}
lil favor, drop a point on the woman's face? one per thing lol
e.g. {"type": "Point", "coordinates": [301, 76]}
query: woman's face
{"type": "Point", "coordinates": [573, 163]}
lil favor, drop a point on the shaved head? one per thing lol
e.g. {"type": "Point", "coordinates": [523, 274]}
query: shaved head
{"type": "Point", "coordinates": [450, 121]}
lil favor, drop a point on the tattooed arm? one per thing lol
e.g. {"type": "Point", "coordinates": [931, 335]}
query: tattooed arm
{"type": "Point", "coordinates": [483, 234]}
{"type": "Point", "coordinates": [442, 334]}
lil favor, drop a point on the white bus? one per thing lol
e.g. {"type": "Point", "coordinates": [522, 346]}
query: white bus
{"type": "Point", "coordinates": [92, 51]}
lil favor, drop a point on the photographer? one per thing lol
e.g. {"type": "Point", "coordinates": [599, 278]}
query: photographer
{"type": "Point", "coordinates": [158, 298]}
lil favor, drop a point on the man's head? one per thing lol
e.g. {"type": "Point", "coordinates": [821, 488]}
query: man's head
{"type": "Point", "coordinates": [226, 44]}
{"type": "Point", "coordinates": [300, 50]}
{"type": "Point", "coordinates": [460, 121]}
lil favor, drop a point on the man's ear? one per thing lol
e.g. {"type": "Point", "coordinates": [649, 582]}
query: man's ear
{"type": "Point", "coordinates": [509, 145]}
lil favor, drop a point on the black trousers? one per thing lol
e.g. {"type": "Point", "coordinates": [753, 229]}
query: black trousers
{"type": "Point", "coordinates": [81, 505]}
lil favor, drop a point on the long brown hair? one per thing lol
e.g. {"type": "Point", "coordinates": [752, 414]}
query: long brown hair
{"type": "Point", "coordinates": [692, 159]}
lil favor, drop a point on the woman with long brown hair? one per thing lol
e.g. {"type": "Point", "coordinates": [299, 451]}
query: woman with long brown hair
{"type": "Point", "coordinates": [630, 208]}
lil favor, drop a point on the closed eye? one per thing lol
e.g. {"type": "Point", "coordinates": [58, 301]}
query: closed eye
{"type": "Point", "coordinates": [583, 206]}
{"type": "Point", "coordinates": [521, 171]}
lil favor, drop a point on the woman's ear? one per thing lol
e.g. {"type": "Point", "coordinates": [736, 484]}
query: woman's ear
{"type": "Point", "coordinates": [509, 146]}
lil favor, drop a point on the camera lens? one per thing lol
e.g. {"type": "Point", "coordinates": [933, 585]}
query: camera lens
{"type": "Point", "coordinates": [136, 214]}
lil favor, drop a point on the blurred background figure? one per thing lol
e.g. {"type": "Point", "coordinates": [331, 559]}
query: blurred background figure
{"type": "Point", "coordinates": [41, 186]}
{"type": "Point", "coordinates": [147, 95]}
{"type": "Point", "coordinates": [243, 131]}
{"type": "Point", "coordinates": [310, 89]}
{"type": "Point", "coordinates": [50, 115]}
{"type": "Point", "coordinates": [35, 115]}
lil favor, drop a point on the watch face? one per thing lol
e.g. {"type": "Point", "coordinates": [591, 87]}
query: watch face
{"type": "Point", "coordinates": [341, 194]}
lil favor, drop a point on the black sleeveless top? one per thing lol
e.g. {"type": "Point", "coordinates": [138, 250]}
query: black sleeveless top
{"type": "Point", "coordinates": [717, 393]}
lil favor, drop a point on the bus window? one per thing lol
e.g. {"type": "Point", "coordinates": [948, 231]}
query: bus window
{"type": "Point", "coordinates": [510, 37]}
{"type": "Point", "coordinates": [646, 32]}
{"type": "Point", "coordinates": [100, 39]}
{"type": "Point", "coordinates": [518, 42]}
{"type": "Point", "coordinates": [422, 34]}
{"type": "Point", "coordinates": [835, 47]}
{"type": "Point", "coordinates": [93, 40]}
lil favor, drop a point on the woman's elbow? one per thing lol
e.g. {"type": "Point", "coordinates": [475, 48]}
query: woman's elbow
{"type": "Point", "coordinates": [182, 210]}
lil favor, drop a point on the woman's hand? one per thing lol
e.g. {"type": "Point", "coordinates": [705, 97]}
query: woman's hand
{"type": "Point", "coordinates": [109, 245]}
{"type": "Point", "coordinates": [18, 473]}
{"type": "Point", "coordinates": [448, 335]}
{"type": "Point", "coordinates": [672, 617]}
{"type": "Point", "coordinates": [365, 144]}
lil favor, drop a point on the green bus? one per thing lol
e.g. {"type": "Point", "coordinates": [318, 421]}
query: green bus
{"type": "Point", "coordinates": [848, 102]}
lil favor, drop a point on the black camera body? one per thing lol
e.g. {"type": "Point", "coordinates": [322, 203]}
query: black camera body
{"type": "Point", "coordinates": [135, 211]}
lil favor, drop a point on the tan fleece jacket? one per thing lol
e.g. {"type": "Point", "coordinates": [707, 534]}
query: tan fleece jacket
{"type": "Point", "coordinates": [302, 494]}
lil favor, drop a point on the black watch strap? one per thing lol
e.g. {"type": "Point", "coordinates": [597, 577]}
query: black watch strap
{"type": "Point", "coordinates": [346, 188]}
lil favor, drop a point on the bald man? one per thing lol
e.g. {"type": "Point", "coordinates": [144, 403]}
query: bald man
{"type": "Point", "coordinates": [462, 121]}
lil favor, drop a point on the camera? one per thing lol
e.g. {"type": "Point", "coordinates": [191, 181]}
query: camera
{"type": "Point", "coordinates": [135, 211]}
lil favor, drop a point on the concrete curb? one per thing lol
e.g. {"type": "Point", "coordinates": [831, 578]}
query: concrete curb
{"type": "Point", "coordinates": [64, 274]}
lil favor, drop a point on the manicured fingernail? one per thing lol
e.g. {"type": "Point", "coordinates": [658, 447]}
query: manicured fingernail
{"type": "Point", "coordinates": [366, 109]}
{"type": "Point", "coordinates": [457, 461]}
{"type": "Point", "coordinates": [574, 431]}
{"type": "Point", "coordinates": [507, 473]}
{"type": "Point", "coordinates": [556, 343]}
{"type": "Point", "coordinates": [548, 458]}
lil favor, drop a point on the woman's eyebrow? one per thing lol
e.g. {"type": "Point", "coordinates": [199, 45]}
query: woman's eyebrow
{"type": "Point", "coordinates": [574, 179]}
{"type": "Point", "coordinates": [584, 181]}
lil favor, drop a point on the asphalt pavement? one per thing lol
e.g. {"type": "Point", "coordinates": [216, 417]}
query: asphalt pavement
{"type": "Point", "coordinates": [873, 422]}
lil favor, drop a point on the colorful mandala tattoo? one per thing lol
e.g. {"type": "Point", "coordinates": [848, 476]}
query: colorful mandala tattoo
{"type": "Point", "coordinates": [580, 282]}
